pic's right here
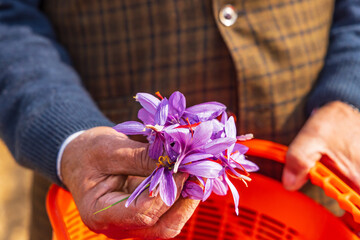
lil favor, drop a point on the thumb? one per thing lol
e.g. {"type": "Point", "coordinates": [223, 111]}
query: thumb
{"type": "Point", "coordinates": [137, 161]}
{"type": "Point", "coordinates": [300, 158]}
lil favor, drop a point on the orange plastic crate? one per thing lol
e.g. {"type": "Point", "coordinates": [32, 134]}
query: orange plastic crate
{"type": "Point", "coordinates": [267, 210]}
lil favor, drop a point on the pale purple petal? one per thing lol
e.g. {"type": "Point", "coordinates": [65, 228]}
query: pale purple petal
{"type": "Point", "coordinates": [192, 190]}
{"type": "Point", "coordinates": [218, 129]}
{"type": "Point", "coordinates": [230, 128]}
{"type": "Point", "coordinates": [156, 178]}
{"type": "Point", "coordinates": [204, 111]}
{"type": "Point", "coordinates": [248, 165]}
{"type": "Point", "coordinates": [201, 135]}
{"type": "Point", "coordinates": [162, 112]}
{"type": "Point", "coordinates": [235, 194]}
{"type": "Point", "coordinates": [220, 186]}
{"type": "Point", "coordinates": [224, 118]}
{"type": "Point", "coordinates": [131, 128]}
{"type": "Point", "coordinates": [148, 101]}
{"type": "Point", "coordinates": [207, 169]}
{"type": "Point", "coordinates": [143, 185]}
{"type": "Point", "coordinates": [242, 149]}
{"type": "Point", "coordinates": [168, 189]}
{"type": "Point", "coordinates": [201, 180]}
{"type": "Point", "coordinates": [208, 188]}
{"type": "Point", "coordinates": [196, 157]}
{"type": "Point", "coordinates": [177, 105]}
{"type": "Point", "coordinates": [146, 117]}
{"type": "Point", "coordinates": [219, 145]}
{"type": "Point", "coordinates": [156, 148]}
{"type": "Point", "coordinates": [180, 135]}
{"type": "Point", "coordinates": [172, 149]}
{"type": "Point", "coordinates": [230, 131]}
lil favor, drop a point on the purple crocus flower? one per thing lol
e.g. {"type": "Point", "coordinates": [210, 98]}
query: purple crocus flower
{"type": "Point", "coordinates": [160, 181]}
{"type": "Point", "coordinates": [204, 111]}
{"type": "Point", "coordinates": [187, 154]}
{"type": "Point", "coordinates": [189, 140]}
{"type": "Point", "coordinates": [189, 148]}
{"type": "Point", "coordinates": [153, 115]}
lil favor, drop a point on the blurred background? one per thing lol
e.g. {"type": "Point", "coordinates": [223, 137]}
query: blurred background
{"type": "Point", "coordinates": [15, 208]}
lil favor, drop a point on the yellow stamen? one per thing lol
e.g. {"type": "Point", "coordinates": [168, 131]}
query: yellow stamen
{"type": "Point", "coordinates": [163, 160]}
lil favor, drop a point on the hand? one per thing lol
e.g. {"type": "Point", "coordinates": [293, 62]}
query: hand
{"type": "Point", "coordinates": [101, 167]}
{"type": "Point", "coordinates": [334, 131]}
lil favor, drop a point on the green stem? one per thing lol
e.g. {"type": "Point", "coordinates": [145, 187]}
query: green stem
{"type": "Point", "coordinates": [111, 205]}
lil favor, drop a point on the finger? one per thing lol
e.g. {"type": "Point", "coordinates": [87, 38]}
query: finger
{"type": "Point", "coordinates": [302, 155]}
{"type": "Point", "coordinates": [119, 221]}
{"type": "Point", "coordinates": [123, 155]}
{"type": "Point", "coordinates": [171, 223]}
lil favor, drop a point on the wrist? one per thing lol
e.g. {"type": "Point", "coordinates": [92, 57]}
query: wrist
{"type": "Point", "coordinates": [67, 141]}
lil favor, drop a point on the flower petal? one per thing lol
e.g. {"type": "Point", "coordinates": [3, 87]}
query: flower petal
{"type": "Point", "coordinates": [208, 188]}
{"type": "Point", "coordinates": [196, 157]}
{"type": "Point", "coordinates": [180, 135]}
{"type": "Point", "coordinates": [156, 178]}
{"type": "Point", "coordinates": [230, 128]}
{"type": "Point", "coordinates": [177, 105]}
{"type": "Point", "coordinates": [242, 149]}
{"type": "Point", "coordinates": [202, 135]}
{"type": "Point", "coordinates": [218, 129]}
{"type": "Point", "coordinates": [168, 189]}
{"type": "Point", "coordinates": [220, 186]}
{"type": "Point", "coordinates": [148, 101]}
{"type": "Point", "coordinates": [234, 193]}
{"type": "Point", "coordinates": [192, 190]}
{"type": "Point", "coordinates": [156, 148]}
{"type": "Point", "coordinates": [219, 145]}
{"type": "Point", "coordinates": [224, 117]}
{"type": "Point", "coordinates": [131, 128]}
{"type": "Point", "coordinates": [162, 112]}
{"type": "Point", "coordinates": [143, 185]}
{"type": "Point", "coordinates": [204, 111]}
{"type": "Point", "coordinates": [146, 117]}
{"type": "Point", "coordinates": [207, 169]}
{"type": "Point", "coordinates": [248, 165]}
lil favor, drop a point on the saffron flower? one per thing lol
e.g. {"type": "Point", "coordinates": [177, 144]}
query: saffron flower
{"type": "Point", "coordinates": [190, 140]}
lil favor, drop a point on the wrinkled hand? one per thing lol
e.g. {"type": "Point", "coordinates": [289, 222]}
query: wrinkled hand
{"type": "Point", "coordinates": [334, 131]}
{"type": "Point", "coordinates": [101, 167]}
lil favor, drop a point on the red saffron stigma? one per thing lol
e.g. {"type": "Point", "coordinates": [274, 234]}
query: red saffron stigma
{"type": "Point", "coordinates": [191, 130]}
{"type": "Point", "coordinates": [159, 95]}
{"type": "Point", "coordinates": [246, 172]}
{"type": "Point", "coordinates": [191, 125]}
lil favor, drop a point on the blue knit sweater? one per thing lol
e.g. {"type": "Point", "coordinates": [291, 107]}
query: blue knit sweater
{"type": "Point", "coordinates": [42, 100]}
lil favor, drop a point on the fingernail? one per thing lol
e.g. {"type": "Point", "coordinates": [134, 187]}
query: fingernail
{"type": "Point", "coordinates": [289, 180]}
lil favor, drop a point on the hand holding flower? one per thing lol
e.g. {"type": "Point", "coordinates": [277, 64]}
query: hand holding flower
{"type": "Point", "coordinates": [101, 167]}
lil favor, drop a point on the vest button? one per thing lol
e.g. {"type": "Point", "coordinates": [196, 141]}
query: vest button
{"type": "Point", "coordinates": [228, 15]}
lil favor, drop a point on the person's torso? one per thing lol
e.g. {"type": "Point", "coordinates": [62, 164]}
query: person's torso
{"type": "Point", "coordinates": [261, 67]}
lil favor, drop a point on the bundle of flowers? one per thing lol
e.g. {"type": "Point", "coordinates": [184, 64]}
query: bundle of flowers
{"type": "Point", "coordinates": [199, 140]}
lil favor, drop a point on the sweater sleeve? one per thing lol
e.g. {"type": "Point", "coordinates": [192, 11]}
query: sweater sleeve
{"type": "Point", "coordinates": [42, 100]}
{"type": "Point", "coordinates": [340, 77]}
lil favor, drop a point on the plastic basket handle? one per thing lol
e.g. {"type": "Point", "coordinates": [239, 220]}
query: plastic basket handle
{"type": "Point", "coordinates": [320, 175]}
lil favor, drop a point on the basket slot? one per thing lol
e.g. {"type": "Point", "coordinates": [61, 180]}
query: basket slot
{"type": "Point", "coordinates": [271, 227]}
{"type": "Point", "coordinates": [268, 234]}
{"type": "Point", "coordinates": [71, 216]}
{"type": "Point", "coordinates": [292, 231]}
{"type": "Point", "coordinates": [272, 220]}
{"type": "Point", "coordinates": [247, 217]}
{"type": "Point", "coordinates": [203, 235]}
{"type": "Point", "coordinates": [355, 201]}
{"type": "Point", "coordinates": [259, 237]}
{"type": "Point", "coordinates": [341, 188]}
